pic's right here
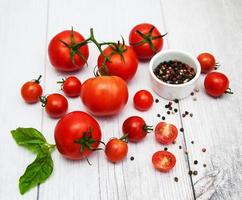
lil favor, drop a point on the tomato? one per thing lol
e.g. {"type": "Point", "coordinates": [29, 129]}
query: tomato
{"type": "Point", "coordinates": [216, 84]}
{"type": "Point", "coordinates": [63, 54]}
{"type": "Point", "coordinates": [165, 133]}
{"type": "Point", "coordinates": [31, 91]}
{"type": "Point", "coordinates": [55, 105]}
{"type": "Point", "coordinates": [143, 100]}
{"type": "Point", "coordinates": [163, 161]}
{"type": "Point", "coordinates": [207, 62]}
{"type": "Point", "coordinates": [136, 128]}
{"type": "Point", "coordinates": [71, 86]}
{"type": "Point", "coordinates": [116, 149]}
{"type": "Point", "coordinates": [77, 135]}
{"type": "Point", "coordinates": [104, 95]}
{"type": "Point", "coordinates": [123, 62]}
{"type": "Point", "coordinates": [146, 40]}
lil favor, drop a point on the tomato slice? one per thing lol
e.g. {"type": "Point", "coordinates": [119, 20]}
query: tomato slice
{"type": "Point", "coordinates": [163, 161]}
{"type": "Point", "coordinates": [165, 133]}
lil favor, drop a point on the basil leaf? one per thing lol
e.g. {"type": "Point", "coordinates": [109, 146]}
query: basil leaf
{"type": "Point", "coordinates": [29, 138]}
{"type": "Point", "coordinates": [37, 172]}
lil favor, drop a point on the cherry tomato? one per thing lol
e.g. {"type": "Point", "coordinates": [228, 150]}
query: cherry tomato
{"type": "Point", "coordinates": [216, 84]}
{"type": "Point", "coordinates": [116, 149]}
{"type": "Point", "coordinates": [71, 86]}
{"type": "Point", "coordinates": [207, 62]}
{"type": "Point", "coordinates": [136, 128]}
{"type": "Point", "coordinates": [62, 52]}
{"type": "Point", "coordinates": [77, 135]}
{"type": "Point", "coordinates": [163, 161]}
{"type": "Point", "coordinates": [31, 91]}
{"type": "Point", "coordinates": [123, 62]}
{"type": "Point", "coordinates": [104, 95]}
{"type": "Point", "coordinates": [165, 133]}
{"type": "Point", "coordinates": [146, 40]}
{"type": "Point", "coordinates": [55, 105]}
{"type": "Point", "coordinates": [143, 100]}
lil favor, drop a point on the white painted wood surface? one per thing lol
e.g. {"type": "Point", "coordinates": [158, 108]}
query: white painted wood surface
{"type": "Point", "coordinates": [195, 26]}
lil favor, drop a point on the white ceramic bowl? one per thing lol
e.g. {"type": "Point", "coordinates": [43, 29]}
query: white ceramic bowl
{"type": "Point", "coordinates": [172, 91]}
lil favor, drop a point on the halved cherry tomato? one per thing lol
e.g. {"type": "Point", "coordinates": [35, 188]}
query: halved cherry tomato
{"type": "Point", "coordinates": [165, 133]}
{"type": "Point", "coordinates": [56, 105]}
{"type": "Point", "coordinates": [207, 62]}
{"type": "Point", "coordinates": [71, 86]}
{"type": "Point", "coordinates": [116, 149]}
{"type": "Point", "coordinates": [143, 100]}
{"type": "Point", "coordinates": [163, 161]}
{"type": "Point", "coordinates": [31, 91]}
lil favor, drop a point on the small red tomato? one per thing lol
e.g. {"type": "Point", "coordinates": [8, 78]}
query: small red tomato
{"type": "Point", "coordinates": [116, 149]}
{"type": "Point", "coordinates": [136, 128]}
{"type": "Point", "coordinates": [55, 105]}
{"type": "Point", "coordinates": [165, 133]}
{"type": "Point", "coordinates": [146, 40]}
{"type": "Point", "coordinates": [207, 62]}
{"type": "Point", "coordinates": [143, 100]}
{"type": "Point", "coordinates": [163, 161]}
{"type": "Point", "coordinates": [71, 86]}
{"type": "Point", "coordinates": [31, 91]}
{"type": "Point", "coordinates": [216, 84]}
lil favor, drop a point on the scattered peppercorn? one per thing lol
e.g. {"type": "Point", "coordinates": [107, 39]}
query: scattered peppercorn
{"type": "Point", "coordinates": [165, 149]}
{"type": "Point", "coordinates": [156, 100]}
{"type": "Point", "coordinates": [191, 115]}
{"type": "Point", "coordinates": [185, 152]}
{"type": "Point", "coordinates": [190, 172]}
{"type": "Point", "coordinates": [180, 147]}
{"type": "Point", "coordinates": [158, 115]}
{"type": "Point", "coordinates": [204, 165]}
{"type": "Point", "coordinates": [186, 112]}
{"type": "Point", "coordinates": [192, 93]}
{"type": "Point", "coordinates": [182, 129]}
{"type": "Point", "coordinates": [183, 115]}
{"type": "Point", "coordinates": [131, 158]}
{"type": "Point", "coordinates": [163, 118]}
{"type": "Point", "coordinates": [166, 106]}
{"type": "Point", "coordinates": [176, 179]}
{"type": "Point", "coordinates": [175, 110]}
{"type": "Point", "coordinates": [174, 142]}
{"type": "Point", "coordinates": [170, 108]}
{"type": "Point", "coordinates": [168, 112]}
{"type": "Point", "coordinates": [176, 100]}
{"type": "Point", "coordinates": [195, 162]}
{"type": "Point", "coordinates": [192, 142]}
{"type": "Point", "coordinates": [195, 173]}
{"type": "Point", "coordinates": [203, 150]}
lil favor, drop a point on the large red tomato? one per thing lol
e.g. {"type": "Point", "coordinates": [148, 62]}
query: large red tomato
{"type": "Point", "coordinates": [123, 62]}
{"type": "Point", "coordinates": [146, 40]}
{"type": "Point", "coordinates": [104, 95]}
{"type": "Point", "coordinates": [63, 53]}
{"type": "Point", "coordinates": [77, 135]}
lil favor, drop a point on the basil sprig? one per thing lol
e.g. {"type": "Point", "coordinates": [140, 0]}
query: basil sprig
{"type": "Point", "coordinates": [41, 168]}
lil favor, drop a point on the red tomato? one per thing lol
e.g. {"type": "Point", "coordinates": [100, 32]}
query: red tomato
{"type": "Point", "coordinates": [62, 52]}
{"type": "Point", "coordinates": [116, 150]}
{"type": "Point", "coordinates": [163, 161]}
{"type": "Point", "coordinates": [146, 40]}
{"type": "Point", "coordinates": [143, 100]}
{"type": "Point", "coordinates": [77, 135]}
{"type": "Point", "coordinates": [104, 95]}
{"type": "Point", "coordinates": [31, 91]}
{"type": "Point", "coordinates": [55, 105]}
{"type": "Point", "coordinates": [165, 133]}
{"type": "Point", "coordinates": [207, 62]}
{"type": "Point", "coordinates": [71, 86]}
{"type": "Point", "coordinates": [123, 62]}
{"type": "Point", "coordinates": [136, 128]}
{"type": "Point", "coordinates": [216, 84]}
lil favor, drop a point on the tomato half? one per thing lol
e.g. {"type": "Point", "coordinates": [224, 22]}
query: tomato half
{"type": "Point", "coordinates": [116, 150]}
{"type": "Point", "coordinates": [62, 52]}
{"type": "Point", "coordinates": [143, 100]}
{"type": "Point", "coordinates": [165, 133]}
{"type": "Point", "coordinates": [216, 84]}
{"type": "Point", "coordinates": [207, 62]}
{"type": "Point", "coordinates": [123, 62]}
{"type": "Point", "coordinates": [104, 95]}
{"type": "Point", "coordinates": [163, 161]}
{"type": "Point", "coordinates": [146, 40]}
{"type": "Point", "coordinates": [77, 135]}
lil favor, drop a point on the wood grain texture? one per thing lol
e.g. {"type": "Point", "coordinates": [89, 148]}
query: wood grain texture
{"type": "Point", "coordinates": [194, 26]}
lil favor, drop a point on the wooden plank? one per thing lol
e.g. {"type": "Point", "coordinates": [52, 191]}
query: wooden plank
{"type": "Point", "coordinates": [130, 179]}
{"type": "Point", "coordinates": [22, 52]}
{"type": "Point", "coordinates": [213, 26]}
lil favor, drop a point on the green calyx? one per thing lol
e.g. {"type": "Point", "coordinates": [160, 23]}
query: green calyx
{"type": "Point", "coordinates": [148, 38]}
{"type": "Point", "coordinates": [124, 138]}
{"type": "Point", "coordinates": [37, 80]}
{"type": "Point", "coordinates": [229, 91]}
{"type": "Point", "coordinates": [87, 141]}
{"type": "Point", "coordinates": [43, 100]}
{"type": "Point", "coordinates": [147, 128]}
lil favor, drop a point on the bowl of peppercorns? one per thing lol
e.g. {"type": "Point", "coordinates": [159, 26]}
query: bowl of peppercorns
{"type": "Point", "coordinates": [174, 74]}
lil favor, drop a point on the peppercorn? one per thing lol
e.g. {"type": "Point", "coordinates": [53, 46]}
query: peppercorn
{"type": "Point", "coordinates": [163, 118]}
{"type": "Point", "coordinates": [158, 115]}
{"type": "Point", "coordinates": [131, 158]}
{"type": "Point", "coordinates": [165, 149]}
{"type": "Point", "coordinates": [191, 115]}
{"type": "Point", "coordinates": [203, 150]}
{"type": "Point", "coordinates": [176, 179]}
{"type": "Point", "coordinates": [180, 147]}
{"type": "Point", "coordinates": [195, 162]}
{"type": "Point", "coordinates": [176, 100]}
{"type": "Point", "coordinates": [204, 165]}
{"type": "Point", "coordinates": [168, 112]}
{"type": "Point", "coordinates": [192, 142]}
{"type": "Point", "coordinates": [181, 129]}
{"type": "Point", "coordinates": [195, 173]}
{"type": "Point", "coordinates": [156, 100]}
{"type": "Point", "coordinates": [192, 93]}
{"type": "Point", "coordinates": [175, 110]}
{"type": "Point", "coordinates": [190, 172]}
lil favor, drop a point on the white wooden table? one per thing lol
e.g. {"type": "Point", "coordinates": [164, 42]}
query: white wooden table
{"type": "Point", "coordinates": [26, 28]}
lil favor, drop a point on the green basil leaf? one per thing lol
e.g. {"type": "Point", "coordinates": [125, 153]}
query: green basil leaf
{"type": "Point", "coordinates": [37, 172]}
{"type": "Point", "coordinates": [29, 138]}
